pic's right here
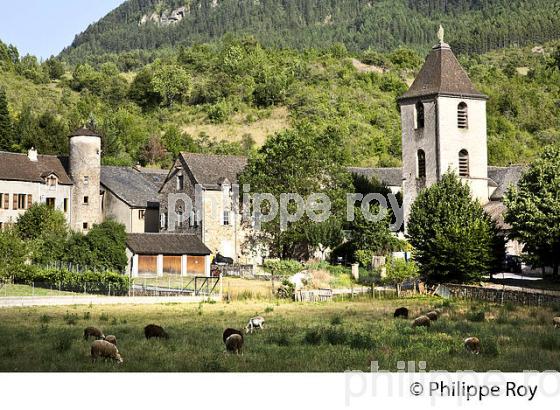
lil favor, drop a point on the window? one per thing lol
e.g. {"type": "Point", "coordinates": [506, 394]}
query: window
{"type": "Point", "coordinates": [85, 225]}
{"type": "Point", "coordinates": [162, 220]}
{"type": "Point", "coordinates": [226, 218]}
{"type": "Point", "coordinates": [193, 218]}
{"type": "Point", "coordinates": [464, 164]}
{"type": "Point", "coordinates": [86, 180]}
{"type": "Point", "coordinates": [20, 201]}
{"type": "Point", "coordinates": [421, 164]}
{"type": "Point", "coordinates": [419, 115]}
{"type": "Point", "coordinates": [180, 182]}
{"type": "Point", "coordinates": [180, 219]}
{"type": "Point", "coordinates": [141, 214]}
{"type": "Point", "coordinates": [50, 202]}
{"type": "Point", "coordinates": [462, 115]}
{"type": "Point", "coordinates": [86, 200]}
{"type": "Point", "coordinates": [5, 201]}
{"type": "Point", "coordinates": [51, 181]}
{"type": "Point", "coordinates": [65, 204]}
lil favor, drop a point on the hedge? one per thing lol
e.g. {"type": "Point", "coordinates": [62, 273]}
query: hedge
{"type": "Point", "coordinates": [62, 279]}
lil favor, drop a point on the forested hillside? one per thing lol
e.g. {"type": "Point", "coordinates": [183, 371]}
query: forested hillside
{"type": "Point", "coordinates": [228, 96]}
{"type": "Point", "coordinates": [473, 26]}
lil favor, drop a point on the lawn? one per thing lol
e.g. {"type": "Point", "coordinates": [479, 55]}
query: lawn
{"type": "Point", "coordinates": [10, 290]}
{"type": "Point", "coordinates": [333, 337]}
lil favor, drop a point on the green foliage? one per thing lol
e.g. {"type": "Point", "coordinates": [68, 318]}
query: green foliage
{"type": "Point", "coordinates": [324, 235]}
{"type": "Point", "coordinates": [534, 210]}
{"type": "Point", "coordinates": [13, 253]}
{"type": "Point", "coordinates": [6, 128]}
{"type": "Point", "coordinates": [282, 267]}
{"type": "Point", "coordinates": [41, 220]}
{"type": "Point", "coordinates": [452, 236]}
{"type": "Point", "coordinates": [399, 270]}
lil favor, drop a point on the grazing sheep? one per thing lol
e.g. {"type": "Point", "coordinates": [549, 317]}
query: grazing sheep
{"type": "Point", "coordinates": [556, 322]}
{"type": "Point", "coordinates": [93, 331]}
{"type": "Point", "coordinates": [401, 312]}
{"type": "Point", "coordinates": [433, 315]}
{"type": "Point", "coordinates": [102, 348]}
{"type": "Point", "coordinates": [472, 344]}
{"type": "Point", "coordinates": [156, 331]}
{"type": "Point", "coordinates": [421, 321]}
{"type": "Point", "coordinates": [229, 331]}
{"type": "Point", "coordinates": [234, 344]}
{"type": "Point", "coordinates": [254, 323]}
{"type": "Point", "coordinates": [111, 339]}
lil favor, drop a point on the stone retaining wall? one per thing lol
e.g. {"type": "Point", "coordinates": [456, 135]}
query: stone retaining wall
{"type": "Point", "coordinates": [529, 297]}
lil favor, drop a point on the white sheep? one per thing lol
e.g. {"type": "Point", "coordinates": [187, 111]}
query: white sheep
{"type": "Point", "coordinates": [254, 323]}
{"type": "Point", "coordinates": [102, 348]}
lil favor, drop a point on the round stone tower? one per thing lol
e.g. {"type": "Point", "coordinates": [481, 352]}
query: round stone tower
{"type": "Point", "coordinates": [85, 171]}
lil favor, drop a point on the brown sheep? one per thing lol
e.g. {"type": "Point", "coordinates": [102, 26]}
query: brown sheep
{"type": "Point", "coordinates": [229, 331]}
{"type": "Point", "coordinates": [93, 331]}
{"type": "Point", "coordinates": [234, 344]}
{"type": "Point", "coordinates": [111, 339]}
{"type": "Point", "coordinates": [401, 312]}
{"type": "Point", "coordinates": [556, 322]}
{"type": "Point", "coordinates": [102, 348]}
{"type": "Point", "coordinates": [472, 344]}
{"type": "Point", "coordinates": [421, 321]}
{"type": "Point", "coordinates": [433, 315]}
{"type": "Point", "coordinates": [156, 331]}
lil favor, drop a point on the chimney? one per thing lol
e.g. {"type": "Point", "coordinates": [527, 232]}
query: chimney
{"type": "Point", "coordinates": [32, 154]}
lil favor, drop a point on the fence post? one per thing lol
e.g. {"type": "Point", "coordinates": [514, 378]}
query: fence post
{"type": "Point", "coordinates": [33, 288]}
{"type": "Point", "coordinates": [109, 289]}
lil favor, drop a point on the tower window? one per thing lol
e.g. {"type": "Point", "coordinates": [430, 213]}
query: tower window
{"type": "Point", "coordinates": [419, 115]}
{"type": "Point", "coordinates": [226, 218]}
{"type": "Point", "coordinates": [86, 180]}
{"type": "Point", "coordinates": [65, 204]}
{"type": "Point", "coordinates": [141, 214]}
{"type": "Point", "coordinates": [180, 182]}
{"type": "Point", "coordinates": [421, 164]}
{"type": "Point", "coordinates": [86, 200]}
{"type": "Point", "coordinates": [50, 202]}
{"type": "Point", "coordinates": [464, 164]}
{"type": "Point", "coordinates": [462, 115]}
{"type": "Point", "coordinates": [85, 225]}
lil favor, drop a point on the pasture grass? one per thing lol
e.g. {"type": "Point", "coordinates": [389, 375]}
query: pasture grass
{"type": "Point", "coordinates": [315, 337]}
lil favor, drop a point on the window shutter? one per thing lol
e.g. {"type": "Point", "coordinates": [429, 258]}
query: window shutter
{"type": "Point", "coordinates": [15, 201]}
{"type": "Point", "coordinates": [6, 201]}
{"type": "Point", "coordinates": [29, 201]}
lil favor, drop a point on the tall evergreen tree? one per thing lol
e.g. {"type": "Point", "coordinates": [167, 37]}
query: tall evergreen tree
{"type": "Point", "coordinates": [6, 128]}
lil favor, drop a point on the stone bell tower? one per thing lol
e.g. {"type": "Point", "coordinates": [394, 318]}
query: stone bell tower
{"type": "Point", "coordinates": [443, 120]}
{"type": "Point", "coordinates": [85, 171]}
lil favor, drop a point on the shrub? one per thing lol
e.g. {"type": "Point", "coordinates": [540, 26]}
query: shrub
{"type": "Point", "coordinates": [63, 342]}
{"type": "Point", "coordinates": [550, 341]}
{"type": "Point", "coordinates": [286, 290]}
{"type": "Point", "coordinates": [284, 267]}
{"type": "Point", "coordinates": [361, 341]}
{"type": "Point", "coordinates": [313, 336]}
{"type": "Point", "coordinates": [336, 320]}
{"type": "Point", "coordinates": [71, 318]}
{"type": "Point", "coordinates": [335, 336]}
{"type": "Point", "coordinates": [269, 309]}
{"type": "Point", "coordinates": [490, 347]}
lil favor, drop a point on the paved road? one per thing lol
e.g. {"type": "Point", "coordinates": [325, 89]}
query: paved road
{"type": "Point", "coordinates": [20, 301]}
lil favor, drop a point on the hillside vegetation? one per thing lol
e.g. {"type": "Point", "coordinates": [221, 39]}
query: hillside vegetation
{"type": "Point", "coordinates": [474, 26]}
{"type": "Point", "coordinates": [228, 96]}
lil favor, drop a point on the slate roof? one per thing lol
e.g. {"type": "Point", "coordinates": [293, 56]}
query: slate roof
{"type": "Point", "coordinates": [210, 170]}
{"type": "Point", "coordinates": [497, 210]}
{"type": "Point", "coordinates": [18, 167]}
{"type": "Point", "coordinates": [130, 186]}
{"type": "Point", "coordinates": [442, 74]}
{"type": "Point", "coordinates": [504, 177]}
{"type": "Point", "coordinates": [154, 175]}
{"type": "Point", "coordinates": [83, 132]}
{"type": "Point", "coordinates": [387, 176]}
{"type": "Point", "coordinates": [166, 244]}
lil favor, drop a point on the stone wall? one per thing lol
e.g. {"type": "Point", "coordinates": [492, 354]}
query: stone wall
{"type": "Point", "coordinates": [528, 297]}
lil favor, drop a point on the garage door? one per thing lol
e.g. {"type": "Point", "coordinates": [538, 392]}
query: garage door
{"type": "Point", "coordinates": [195, 265]}
{"type": "Point", "coordinates": [147, 265]}
{"type": "Point", "coordinates": [172, 265]}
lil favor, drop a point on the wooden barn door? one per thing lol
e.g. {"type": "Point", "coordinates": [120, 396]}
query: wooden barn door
{"type": "Point", "coordinates": [172, 265]}
{"type": "Point", "coordinates": [196, 265]}
{"type": "Point", "coordinates": [147, 265]}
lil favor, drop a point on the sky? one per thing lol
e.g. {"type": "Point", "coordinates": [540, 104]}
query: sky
{"type": "Point", "coordinates": [44, 27]}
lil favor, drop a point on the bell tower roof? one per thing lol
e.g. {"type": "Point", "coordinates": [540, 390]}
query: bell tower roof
{"type": "Point", "coordinates": [442, 74]}
{"type": "Point", "coordinates": [83, 132]}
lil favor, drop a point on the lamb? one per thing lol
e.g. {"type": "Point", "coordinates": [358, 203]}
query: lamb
{"type": "Point", "coordinates": [229, 331]}
{"type": "Point", "coordinates": [421, 321]}
{"type": "Point", "coordinates": [156, 331]}
{"type": "Point", "coordinates": [111, 339]}
{"type": "Point", "coordinates": [93, 331]}
{"type": "Point", "coordinates": [254, 323]}
{"type": "Point", "coordinates": [401, 312]}
{"type": "Point", "coordinates": [472, 344]}
{"type": "Point", "coordinates": [433, 315]}
{"type": "Point", "coordinates": [102, 348]}
{"type": "Point", "coordinates": [234, 344]}
{"type": "Point", "coordinates": [556, 322]}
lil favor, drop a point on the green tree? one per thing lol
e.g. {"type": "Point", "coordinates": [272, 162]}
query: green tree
{"type": "Point", "coordinates": [107, 243]}
{"type": "Point", "coordinates": [399, 271]}
{"type": "Point", "coordinates": [324, 235]}
{"type": "Point", "coordinates": [13, 253]}
{"type": "Point", "coordinates": [171, 82]}
{"type": "Point", "coordinates": [453, 238]}
{"type": "Point", "coordinates": [6, 128]}
{"type": "Point", "coordinates": [40, 220]}
{"type": "Point", "coordinates": [55, 68]}
{"type": "Point", "coordinates": [534, 210]}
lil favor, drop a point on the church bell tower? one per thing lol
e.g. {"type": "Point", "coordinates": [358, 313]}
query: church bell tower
{"type": "Point", "coordinates": [443, 119]}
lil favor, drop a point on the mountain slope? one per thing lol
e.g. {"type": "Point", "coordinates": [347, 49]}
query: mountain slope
{"type": "Point", "coordinates": [472, 25]}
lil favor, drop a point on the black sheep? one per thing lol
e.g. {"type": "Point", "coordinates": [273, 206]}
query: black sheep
{"type": "Point", "coordinates": [229, 331]}
{"type": "Point", "coordinates": [401, 312]}
{"type": "Point", "coordinates": [156, 331]}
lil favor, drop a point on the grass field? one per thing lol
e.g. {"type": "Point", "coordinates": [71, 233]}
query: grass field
{"type": "Point", "coordinates": [332, 337]}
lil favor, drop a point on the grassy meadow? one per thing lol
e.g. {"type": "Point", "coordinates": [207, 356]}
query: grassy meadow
{"type": "Point", "coordinates": [321, 337]}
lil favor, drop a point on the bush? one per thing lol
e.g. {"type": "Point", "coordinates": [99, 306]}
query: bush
{"type": "Point", "coordinates": [335, 336]}
{"type": "Point", "coordinates": [313, 336]}
{"type": "Point", "coordinates": [283, 267]}
{"type": "Point", "coordinates": [361, 341]}
{"type": "Point", "coordinates": [93, 282]}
